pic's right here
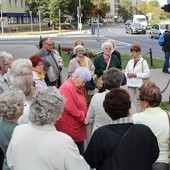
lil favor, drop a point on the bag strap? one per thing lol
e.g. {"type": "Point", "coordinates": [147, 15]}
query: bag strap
{"type": "Point", "coordinates": [142, 66]}
{"type": "Point", "coordinates": [112, 151]}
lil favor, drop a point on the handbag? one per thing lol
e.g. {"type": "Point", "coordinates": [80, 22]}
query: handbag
{"type": "Point", "coordinates": [90, 85]}
{"type": "Point", "coordinates": [145, 80]}
{"type": "Point", "coordinates": [99, 79]}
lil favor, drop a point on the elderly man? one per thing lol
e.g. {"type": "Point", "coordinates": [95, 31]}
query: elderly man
{"type": "Point", "coordinates": [4, 66]}
{"type": "Point", "coordinates": [50, 54]}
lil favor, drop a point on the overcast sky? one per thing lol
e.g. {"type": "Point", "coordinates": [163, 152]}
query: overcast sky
{"type": "Point", "coordinates": [162, 2]}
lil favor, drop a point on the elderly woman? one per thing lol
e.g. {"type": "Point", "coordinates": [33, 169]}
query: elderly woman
{"type": "Point", "coordinates": [11, 108]}
{"type": "Point", "coordinates": [19, 67]}
{"type": "Point", "coordinates": [155, 118]}
{"type": "Point", "coordinates": [121, 145]}
{"type": "Point", "coordinates": [106, 60]}
{"type": "Point", "coordinates": [112, 78]}
{"type": "Point", "coordinates": [38, 72]}
{"type": "Point", "coordinates": [38, 145]}
{"type": "Point", "coordinates": [27, 85]}
{"type": "Point", "coordinates": [136, 69]}
{"type": "Point", "coordinates": [82, 61]}
{"type": "Point", "coordinates": [72, 121]}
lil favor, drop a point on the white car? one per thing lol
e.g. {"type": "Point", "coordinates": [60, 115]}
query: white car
{"type": "Point", "coordinates": [157, 30]}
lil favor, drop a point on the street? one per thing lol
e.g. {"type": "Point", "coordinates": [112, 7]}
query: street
{"type": "Point", "coordinates": [24, 46]}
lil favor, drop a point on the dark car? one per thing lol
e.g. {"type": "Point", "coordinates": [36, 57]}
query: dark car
{"type": "Point", "coordinates": [135, 28]}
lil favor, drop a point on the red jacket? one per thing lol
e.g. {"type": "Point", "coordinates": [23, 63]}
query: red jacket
{"type": "Point", "coordinates": [74, 113]}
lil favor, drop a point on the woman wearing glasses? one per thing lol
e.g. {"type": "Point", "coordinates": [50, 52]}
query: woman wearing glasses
{"type": "Point", "coordinates": [104, 59]}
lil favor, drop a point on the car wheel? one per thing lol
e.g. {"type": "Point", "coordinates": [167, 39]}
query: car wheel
{"type": "Point", "coordinates": [144, 32]}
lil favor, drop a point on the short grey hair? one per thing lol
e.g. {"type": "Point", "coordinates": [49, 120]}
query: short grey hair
{"type": "Point", "coordinates": [11, 102]}
{"type": "Point", "coordinates": [77, 48]}
{"type": "Point", "coordinates": [112, 42]}
{"type": "Point", "coordinates": [23, 83]}
{"type": "Point", "coordinates": [2, 61]}
{"type": "Point", "coordinates": [6, 55]}
{"type": "Point", "coordinates": [83, 73]}
{"type": "Point", "coordinates": [46, 107]}
{"type": "Point", "coordinates": [107, 45]}
{"type": "Point", "coordinates": [112, 78]}
{"type": "Point", "coordinates": [21, 67]}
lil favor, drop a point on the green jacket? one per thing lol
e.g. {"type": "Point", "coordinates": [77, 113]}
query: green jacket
{"type": "Point", "coordinates": [100, 64]}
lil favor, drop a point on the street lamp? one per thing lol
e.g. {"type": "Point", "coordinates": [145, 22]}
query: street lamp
{"type": "Point", "coordinates": [2, 22]}
{"type": "Point", "coordinates": [98, 21]}
{"type": "Point", "coordinates": [59, 20]}
{"type": "Point", "coordinates": [79, 13]}
{"type": "Point", "coordinates": [31, 20]}
{"type": "Point", "coordinates": [39, 16]}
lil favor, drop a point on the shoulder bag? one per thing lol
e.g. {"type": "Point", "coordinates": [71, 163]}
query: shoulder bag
{"type": "Point", "coordinates": [145, 80]}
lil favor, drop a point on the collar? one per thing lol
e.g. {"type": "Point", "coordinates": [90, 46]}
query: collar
{"type": "Point", "coordinates": [122, 120]}
{"type": "Point", "coordinates": [47, 127]}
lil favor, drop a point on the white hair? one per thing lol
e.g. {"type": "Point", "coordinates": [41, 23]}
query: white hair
{"type": "Point", "coordinates": [83, 73]}
{"type": "Point", "coordinates": [107, 45]}
{"type": "Point", "coordinates": [112, 42]}
{"type": "Point", "coordinates": [21, 67]}
{"type": "Point", "coordinates": [6, 55]}
{"type": "Point", "coordinates": [77, 48]}
{"type": "Point", "coordinates": [47, 106]}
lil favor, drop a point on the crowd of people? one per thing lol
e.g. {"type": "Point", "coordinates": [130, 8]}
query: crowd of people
{"type": "Point", "coordinates": [48, 123]}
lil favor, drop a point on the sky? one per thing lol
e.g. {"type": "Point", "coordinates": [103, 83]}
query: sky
{"type": "Point", "coordinates": [162, 2]}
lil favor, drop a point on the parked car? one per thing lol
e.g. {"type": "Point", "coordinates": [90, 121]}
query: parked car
{"type": "Point", "coordinates": [135, 28]}
{"type": "Point", "coordinates": [157, 30]}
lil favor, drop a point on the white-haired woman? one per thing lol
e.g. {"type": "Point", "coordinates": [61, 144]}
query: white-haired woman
{"type": "Point", "coordinates": [104, 59]}
{"type": "Point", "coordinates": [19, 67]}
{"type": "Point", "coordinates": [38, 145]}
{"type": "Point", "coordinates": [27, 85]}
{"type": "Point", "coordinates": [11, 108]}
{"type": "Point", "coordinates": [73, 117]}
{"type": "Point", "coordinates": [81, 60]}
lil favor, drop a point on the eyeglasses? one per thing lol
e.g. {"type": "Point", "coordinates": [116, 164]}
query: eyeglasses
{"type": "Point", "coordinates": [140, 99]}
{"type": "Point", "coordinates": [7, 64]}
{"type": "Point", "coordinates": [49, 44]}
{"type": "Point", "coordinates": [33, 83]}
{"type": "Point", "coordinates": [108, 48]}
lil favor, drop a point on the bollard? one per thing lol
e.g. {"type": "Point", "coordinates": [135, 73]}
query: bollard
{"type": "Point", "coordinates": [151, 60]}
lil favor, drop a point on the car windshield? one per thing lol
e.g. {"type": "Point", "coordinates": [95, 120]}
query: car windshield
{"type": "Point", "coordinates": [140, 19]}
{"type": "Point", "coordinates": [136, 24]}
{"type": "Point", "coordinates": [163, 26]}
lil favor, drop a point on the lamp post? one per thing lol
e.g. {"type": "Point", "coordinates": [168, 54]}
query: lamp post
{"type": "Point", "coordinates": [79, 13]}
{"type": "Point", "coordinates": [59, 20]}
{"type": "Point", "coordinates": [39, 16]}
{"type": "Point", "coordinates": [31, 20]}
{"type": "Point", "coordinates": [2, 23]}
{"type": "Point", "coordinates": [98, 21]}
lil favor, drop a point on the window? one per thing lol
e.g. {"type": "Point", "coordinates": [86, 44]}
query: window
{"type": "Point", "coordinates": [10, 2]}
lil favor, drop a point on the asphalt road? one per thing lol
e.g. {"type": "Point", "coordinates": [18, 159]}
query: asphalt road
{"type": "Point", "coordinates": [24, 46]}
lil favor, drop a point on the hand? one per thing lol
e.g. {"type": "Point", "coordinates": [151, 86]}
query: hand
{"type": "Point", "coordinates": [134, 75]}
{"type": "Point", "coordinates": [85, 121]}
{"type": "Point", "coordinates": [130, 75]}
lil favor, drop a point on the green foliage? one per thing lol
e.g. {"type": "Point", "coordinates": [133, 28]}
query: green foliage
{"type": "Point", "coordinates": [165, 105]}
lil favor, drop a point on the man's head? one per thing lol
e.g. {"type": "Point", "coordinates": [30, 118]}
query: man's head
{"type": "Point", "coordinates": [47, 44]}
{"type": "Point", "coordinates": [112, 78]}
{"type": "Point", "coordinates": [4, 64]}
{"type": "Point", "coordinates": [167, 27]}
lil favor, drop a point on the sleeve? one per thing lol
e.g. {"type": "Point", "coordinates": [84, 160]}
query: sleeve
{"type": "Point", "coordinates": [153, 146]}
{"type": "Point", "coordinates": [98, 70]}
{"type": "Point", "coordinates": [91, 66]}
{"type": "Point", "coordinates": [127, 70]}
{"type": "Point", "coordinates": [10, 155]}
{"type": "Point", "coordinates": [71, 67]}
{"type": "Point", "coordinates": [93, 153]}
{"type": "Point", "coordinates": [58, 58]}
{"type": "Point", "coordinates": [71, 105]}
{"type": "Point", "coordinates": [90, 112]}
{"type": "Point", "coordinates": [73, 159]}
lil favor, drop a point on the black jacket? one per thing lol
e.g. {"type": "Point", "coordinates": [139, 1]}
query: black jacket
{"type": "Point", "coordinates": [136, 151]}
{"type": "Point", "coordinates": [166, 47]}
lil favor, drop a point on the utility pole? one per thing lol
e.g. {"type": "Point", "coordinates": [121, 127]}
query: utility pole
{"type": "Point", "coordinates": [80, 12]}
{"type": "Point", "coordinates": [31, 20]}
{"type": "Point", "coordinates": [59, 20]}
{"type": "Point", "coordinates": [2, 22]}
{"type": "Point", "coordinates": [98, 39]}
{"type": "Point", "coordinates": [39, 15]}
